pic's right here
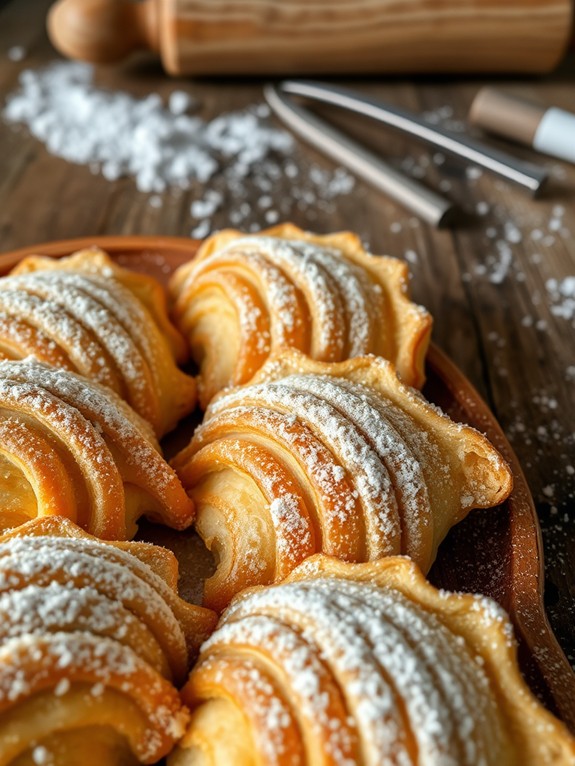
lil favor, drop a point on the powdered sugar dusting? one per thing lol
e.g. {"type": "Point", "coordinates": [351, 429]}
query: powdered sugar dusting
{"type": "Point", "coordinates": [85, 565]}
{"type": "Point", "coordinates": [87, 415]}
{"type": "Point", "coordinates": [69, 294]}
{"type": "Point", "coordinates": [281, 298]}
{"type": "Point", "coordinates": [314, 270]}
{"type": "Point", "coordinates": [29, 661]}
{"type": "Point", "coordinates": [78, 616]}
{"type": "Point", "coordinates": [369, 474]}
{"type": "Point", "coordinates": [377, 646]}
{"type": "Point", "coordinates": [57, 324]}
{"type": "Point", "coordinates": [305, 674]}
{"type": "Point", "coordinates": [287, 516]}
{"type": "Point", "coordinates": [379, 470]}
{"type": "Point", "coordinates": [333, 491]}
{"type": "Point", "coordinates": [368, 413]}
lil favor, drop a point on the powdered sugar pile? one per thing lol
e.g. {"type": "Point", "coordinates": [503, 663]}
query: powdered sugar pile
{"type": "Point", "coordinates": [122, 135]}
{"type": "Point", "coordinates": [163, 146]}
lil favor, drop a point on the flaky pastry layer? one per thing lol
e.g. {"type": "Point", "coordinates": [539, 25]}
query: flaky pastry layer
{"type": "Point", "coordinates": [244, 296]}
{"type": "Point", "coordinates": [93, 640]}
{"type": "Point", "coordinates": [86, 314]}
{"type": "Point", "coordinates": [367, 665]}
{"type": "Point", "coordinates": [338, 458]}
{"type": "Point", "coordinates": [72, 447]}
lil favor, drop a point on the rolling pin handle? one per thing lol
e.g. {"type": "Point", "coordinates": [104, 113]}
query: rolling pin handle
{"type": "Point", "coordinates": [102, 31]}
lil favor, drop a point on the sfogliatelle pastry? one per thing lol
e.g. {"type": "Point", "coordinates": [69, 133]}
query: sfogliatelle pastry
{"type": "Point", "coordinates": [93, 642]}
{"type": "Point", "coordinates": [86, 314]}
{"type": "Point", "coordinates": [367, 665]}
{"type": "Point", "coordinates": [341, 458]}
{"type": "Point", "coordinates": [73, 448]}
{"type": "Point", "coordinates": [244, 296]}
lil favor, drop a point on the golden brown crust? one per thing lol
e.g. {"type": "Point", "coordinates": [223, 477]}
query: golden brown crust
{"type": "Point", "coordinates": [89, 315]}
{"type": "Point", "coordinates": [71, 447]}
{"type": "Point", "coordinates": [365, 663]}
{"type": "Point", "coordinates": [92, 637]}
{"type": "Point", "coordinates": [340, 458]}
{"type": "Point", "coordinates": [273, 285]}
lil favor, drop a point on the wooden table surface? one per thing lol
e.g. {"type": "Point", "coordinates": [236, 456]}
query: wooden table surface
{"type": "Point", "coordinates": [486, 282]}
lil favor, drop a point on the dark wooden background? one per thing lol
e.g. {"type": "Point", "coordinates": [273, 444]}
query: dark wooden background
{"type": "Point", "coordinates": [503, 334]}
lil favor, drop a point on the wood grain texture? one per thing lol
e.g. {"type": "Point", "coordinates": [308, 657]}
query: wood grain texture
{"type": "Point", "coordinates": [326, 36]}
{"type": "Point", "coordinates": [353, 36]}
{"type": "Point", "coordinates": [502, 334]}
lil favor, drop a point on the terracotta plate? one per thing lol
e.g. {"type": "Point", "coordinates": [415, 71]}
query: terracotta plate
{"type": "Point", "coordinates": [496, 552]}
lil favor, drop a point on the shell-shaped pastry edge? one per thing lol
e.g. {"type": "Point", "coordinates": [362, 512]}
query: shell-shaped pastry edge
{"type": "Point", "coordinates": [537, 736]}
{"type": "Point", "coordinates": [146, 289]}
{"type": "Point", "coordinates": [161, 561]}
{"type": "Point", "coordinates": [382, 376]}
{"type": "Point", "coordinates": [413, 335]}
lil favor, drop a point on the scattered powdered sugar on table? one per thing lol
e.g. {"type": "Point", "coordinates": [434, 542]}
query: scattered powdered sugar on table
{"type": "Point", "coordinates": [41, 756]}
{"type": "Point", "coordinates": [561, 294]}
{"type": "Point", "coordinates": [517, 251]}
{"type": "Point", "coordinates": [165, 147]}
{"type": "Point", "coordinates": [16, 53]}
{"type": "Point", "coordinates": [122, 135]}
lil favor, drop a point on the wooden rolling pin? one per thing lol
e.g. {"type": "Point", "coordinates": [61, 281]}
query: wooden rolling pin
{"type": "Point", "coordinates": [318, 36]}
